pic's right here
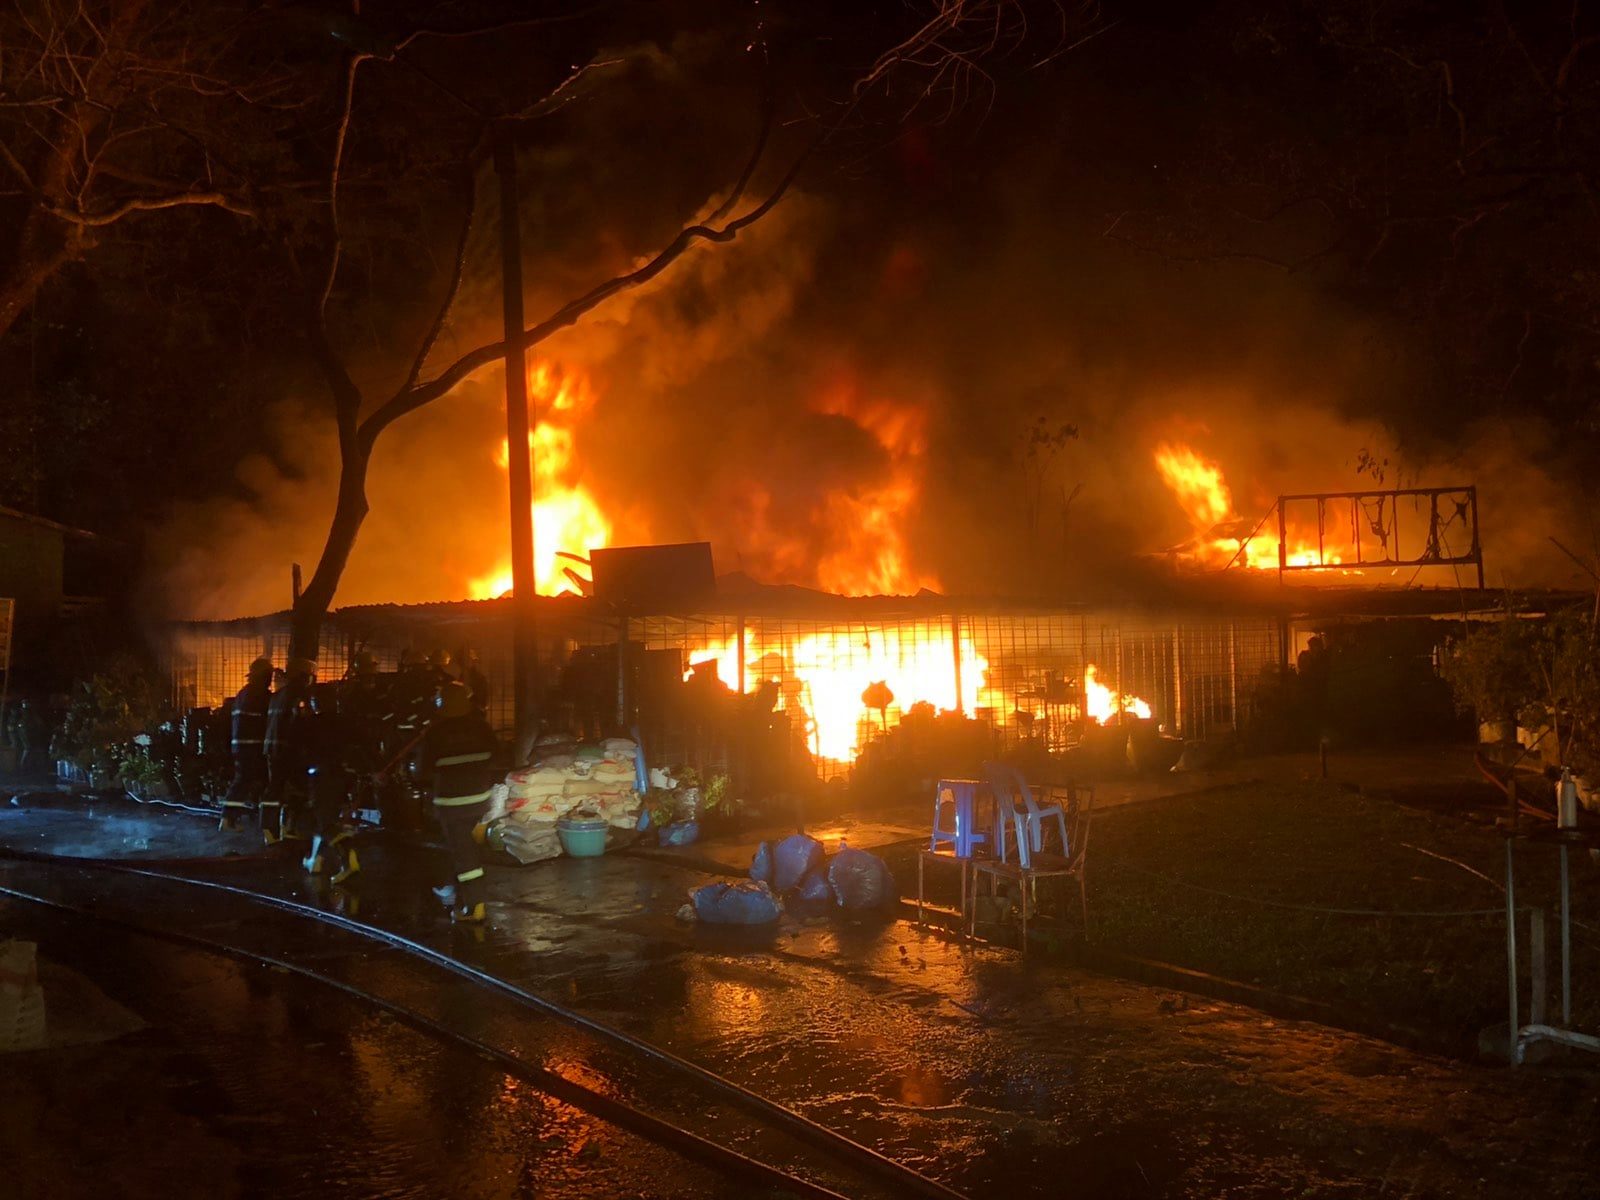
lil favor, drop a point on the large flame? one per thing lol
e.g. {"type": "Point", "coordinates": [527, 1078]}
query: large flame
{"type": "Point", "coordinates": [1101, 703]}
{"type": "Point", "coordinates": [869, 554]}
{"type": "Point", "coordinates": [1221, 537]}
{"type": "Point", "coordinates": [823, 678]}
{"type": "Point", "coordinates": [566, 518]}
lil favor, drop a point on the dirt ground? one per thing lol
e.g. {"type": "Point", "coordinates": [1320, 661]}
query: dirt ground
{"type": "Point", "coordinates": [1274, 883]}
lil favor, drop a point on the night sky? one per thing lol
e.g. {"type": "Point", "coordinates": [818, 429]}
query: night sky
{"type": "Point", "coordinates": [1286, 233]}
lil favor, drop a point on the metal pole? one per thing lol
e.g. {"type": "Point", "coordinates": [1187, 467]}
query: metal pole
{"type": "Point", "coordinates": [519, 448]}
{"type": "Point", "coordinates": [955, 651]}
{"type": "Point", "coordinates": [622, 672]}
{"type": "Point", "coordinates": [1537, 974]}
{"type": "Point", "coordinates": [1283, 541]}
{"type": "Point", "coordinates": [1180, 717]}
{"type": "Point", "coordinates": [1566, 944]}
{"type": "Point", "coordinates": [1233, 674]}
{"type": "Point", "coordinates": [1511, 954]}
{"type": "Point", "coordinates": [741, 672]}
{"type": "Point", "coordinates": [1477, 544]}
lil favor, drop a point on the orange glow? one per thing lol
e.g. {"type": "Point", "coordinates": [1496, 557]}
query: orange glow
{"type": "Point", "coordinates": [869, 554]}
{"type": "Point", "coordinates": [821, 678]}
{"type": "Point", "coordinates": [1101, 703]}
{"type": "Point", "coordinates": [565, 515]}
{"type": "Point", "coordinates": [1197, 484]}
{"type": "Point", "coordinates": [1202, 491]}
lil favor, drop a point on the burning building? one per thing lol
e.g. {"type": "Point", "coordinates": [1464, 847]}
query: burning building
{"type": "Point", "coordinates": [834, 674]}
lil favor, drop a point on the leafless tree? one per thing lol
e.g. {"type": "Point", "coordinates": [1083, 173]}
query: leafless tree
{"type": "Point", "coordinates": [939, 63]}
{"type": "Point", "coordinates": [112, 110]}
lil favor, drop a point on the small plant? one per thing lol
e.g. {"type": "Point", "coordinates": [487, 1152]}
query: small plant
{"type": "Point", "coordinates": [663, 806]}
{"type": "Point", "coordinates": [140, 772]}
{"type": "Point", "coordinates": [1491, 670]}
{"type": "Point", "coordinates": [717, 797]}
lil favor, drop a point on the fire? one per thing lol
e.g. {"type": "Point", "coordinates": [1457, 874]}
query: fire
{"type": "Point", "coordinates": [1101, 703]}
{"type": "Point", "coordinates": [565, 515]}
{"type": "Point", "coordinates": [1198, 485]}
{"type": "Point", "coordinates": [869, 555]}
{"type": "Point", "coordinates": [1220, 534]}
{"type": "Point", "coordinates": [821, 678]}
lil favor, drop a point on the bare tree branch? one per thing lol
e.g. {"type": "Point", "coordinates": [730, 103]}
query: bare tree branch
{"type": "Point", "coordinates": [152, 204]}
{"type": "Point", "coordinates": [336, 166]}
{"type": "Point", "coordinates": [447, 301]}
{"type": "Point", "coordinates": [410, 399]}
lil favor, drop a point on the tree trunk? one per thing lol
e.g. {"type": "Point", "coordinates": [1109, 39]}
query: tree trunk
{"type": "Point", "coordinates": [305, 627]}
{"type": "Point", "coordinates": [35, 262]}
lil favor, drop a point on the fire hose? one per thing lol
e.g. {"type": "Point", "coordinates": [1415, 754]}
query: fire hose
{"type": "Point", "coordinates": [1505, 786]}
{"type": "Point", "coordinates": [571, 1091]}
{"type": "Point", "coordinates": [905, 1179]}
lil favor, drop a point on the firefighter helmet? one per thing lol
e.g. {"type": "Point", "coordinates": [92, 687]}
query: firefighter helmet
{"type": "Point", "coordinates": [261, 670]}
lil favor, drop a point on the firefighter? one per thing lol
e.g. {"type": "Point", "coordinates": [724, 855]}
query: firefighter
{"type": "Point", "coordinates": [329, 750]}
{"type": "Point", "coordinates": [459, 748]}
{"type": "Point", "coordinates": [249, 756]}
{"type": "Point", "coordinates": [285, 750]}
{"type": "Point", "coordinates": [477, 683]}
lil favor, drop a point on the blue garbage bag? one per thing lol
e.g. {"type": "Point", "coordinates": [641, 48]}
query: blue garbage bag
{"type": "Point", "coordinates": [679, 833]}
{"type": "Point", "coordinates": [761, 864]}
{"type": "Point", "coordinates": [814, 887]}
{"type": "Point", "coordinates": [860, 880]}
{"type": "Point", "coordinates": [796, 857]}
{"type": "Point", "coordinates": [744, 903]}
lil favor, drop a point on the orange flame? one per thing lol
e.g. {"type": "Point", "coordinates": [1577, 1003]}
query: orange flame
{"type": "Point", "coordinates": [1221, 537]}
{"type": "Point", "coordinates": [869, 555]}
{"type": "Point", "coordinates": [1101, 703]}
{"type": "Point", "coordinates": [822, 676]}
{"type": "Point", "coordinates": [565, 516]}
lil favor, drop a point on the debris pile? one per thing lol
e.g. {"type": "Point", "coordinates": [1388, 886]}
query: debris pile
{"type": "Point", "coordinates": [797, 869]}
{"type": "Point", "coordinates": [596, 780]}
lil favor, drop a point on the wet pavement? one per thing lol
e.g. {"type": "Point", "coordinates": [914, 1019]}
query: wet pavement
{"type": "Point", "coordinates": [243, 1082]}
{"type": "Point", "coordinates": [989, 1073]}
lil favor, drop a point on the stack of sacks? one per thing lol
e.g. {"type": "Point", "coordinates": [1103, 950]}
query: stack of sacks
{"type": "Point", "coordinates": [595, 781]}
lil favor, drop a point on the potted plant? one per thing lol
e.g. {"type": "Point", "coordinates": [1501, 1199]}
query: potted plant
{"type": "Point", "coordinates": [688, 792]}
{"type": "Point", "coordinates": [142, 776]}
{"type": "Point", "coordinates": [717, 800]}
{"type": "Point", "coordinates": [1491, 673]}
{"type": "Point", "coordinates": [1568, 676]}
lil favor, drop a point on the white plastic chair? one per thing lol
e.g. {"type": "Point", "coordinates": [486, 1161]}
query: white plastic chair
{"type": "Point", "coordinates": [1009, 786]}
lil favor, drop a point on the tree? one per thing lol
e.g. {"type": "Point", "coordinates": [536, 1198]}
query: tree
{"type": "Point", "coordinates": [112, 111]}
{"type": "Point", "coordinates": [1438, 164]}
{"type": "Point", "coordinates": [935, 61]}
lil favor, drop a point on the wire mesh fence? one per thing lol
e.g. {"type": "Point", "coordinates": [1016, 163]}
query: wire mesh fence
{"type": "Point", "coordinates": [836, 685]}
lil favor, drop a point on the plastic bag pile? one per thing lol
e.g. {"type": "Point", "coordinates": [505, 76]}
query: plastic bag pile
{"type": "Point", "coordinates": [799, 868]}
{"type": "Point", "coordinates": [593, 780]}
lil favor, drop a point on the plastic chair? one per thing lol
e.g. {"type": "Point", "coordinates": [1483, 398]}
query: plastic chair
{"type": "Point", "coordinates": [961, 796]}
{"type": "Point", "coordinates": [1009, 786]}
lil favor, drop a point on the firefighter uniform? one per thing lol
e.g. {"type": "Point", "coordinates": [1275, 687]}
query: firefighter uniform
{"type": "Point", "coordinates": [459, 748]}
{"type": "Point", "coordinates": [284, 744]}
{"type": "Point", "coordinates": [329, 751]}
{"type": "Point", "coordinates": [249, 757]}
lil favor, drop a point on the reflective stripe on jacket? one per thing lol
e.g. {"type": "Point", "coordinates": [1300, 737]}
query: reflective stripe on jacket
{"type": "Point", "coordinates": [460, 751]}
{"type": "Point", "coordinates": [250, 718]}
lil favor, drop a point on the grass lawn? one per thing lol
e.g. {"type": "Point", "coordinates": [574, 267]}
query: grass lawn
{"type": "Point", "coordinates": [1321, 846]}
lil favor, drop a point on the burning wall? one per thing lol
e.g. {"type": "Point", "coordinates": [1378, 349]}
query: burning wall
{"type": "Point", "coordinates": [1025, 675]}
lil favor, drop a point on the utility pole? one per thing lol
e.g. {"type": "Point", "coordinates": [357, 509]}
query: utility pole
{"type": "Point", "coordinates": [519, 450]}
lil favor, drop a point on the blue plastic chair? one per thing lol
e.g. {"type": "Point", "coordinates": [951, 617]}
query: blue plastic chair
{"type": "Point", "coordinates": [1028, 819]}
{"type": "Point", "coordinates": [961, 796]}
